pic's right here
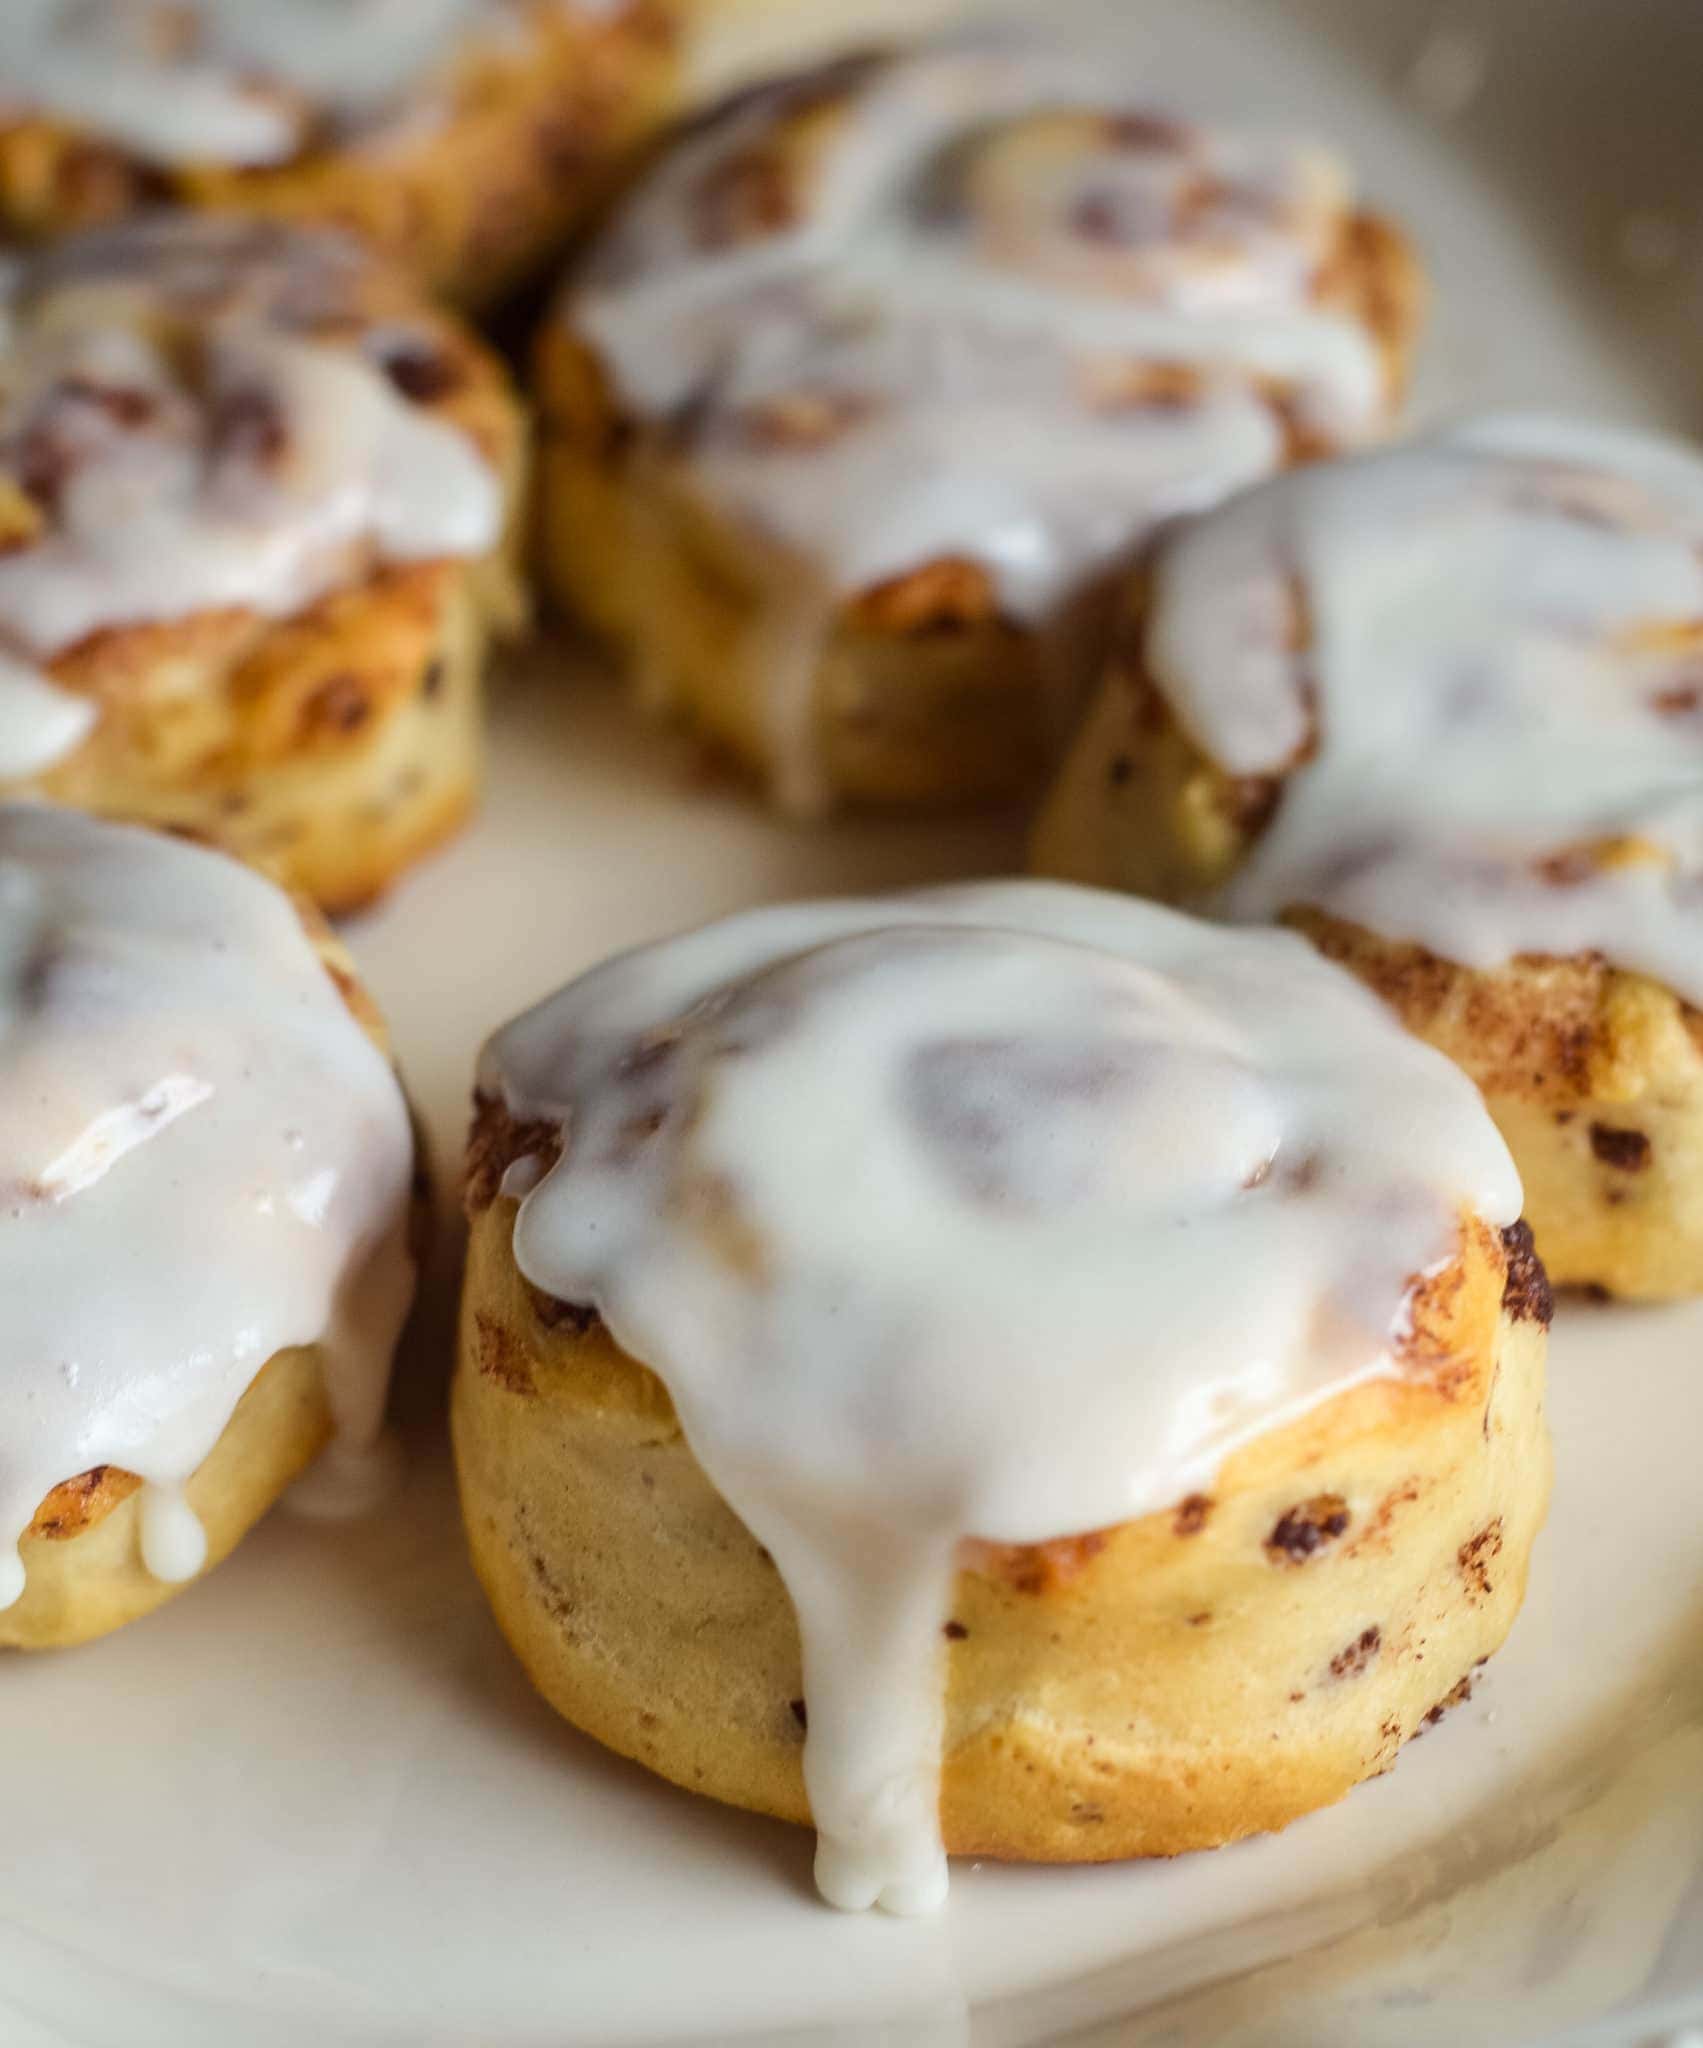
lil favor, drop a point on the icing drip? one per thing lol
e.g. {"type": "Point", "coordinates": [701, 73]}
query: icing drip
{"type": "Point", "coordinates": [922, 1209]}
{"type": "Point", "coordinates": [174, 1544]}
{"type": "Point", "coordinates": [1478, 665]}
{"type": "Point", "coordinates": [965, 304]}
{"type": "Point", "coordinates": [236, 81]}
{"type": "Point", "coordinates": [203, 1161]}
{"type": "Point", "coordinates": [258, 470]}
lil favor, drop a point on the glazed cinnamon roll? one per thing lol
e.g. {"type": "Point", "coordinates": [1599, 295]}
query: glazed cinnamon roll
{"type": "Point", "coordinates": [464, 137]}
{"type": "Point", "coordinates": [255, 498]}
{"type": "Point", "coordinates": [883, 367]}
{"type": "Point", "coordinates": [1009, 1371]}
{"type": "Point", "coordinates": [205, 1173]}
{"type": "Point", "coordinates": [1443, 710]}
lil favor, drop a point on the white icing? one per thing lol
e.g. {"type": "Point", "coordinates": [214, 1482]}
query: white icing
{"type": "Point", "coordinates": [173, 1542]}
{"type": "Point", "coordinates": [1000, 1212]}
{"type": "Point", "coordinates": [281, 466]}
{"type": "Point", "coordinates": [39, 724]}
{"type": "Point", "coordinates": [235, 81]}
{"type": "Point", "coordinates": [203, 1160]}
{"type": "Point", "coordinates": [935, 292]}
{"type": "Point", "coordinates": [1504, 665]}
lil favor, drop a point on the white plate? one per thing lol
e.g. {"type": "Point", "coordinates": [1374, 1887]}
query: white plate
{"type": "Point", "coordinates": [314, 1800]}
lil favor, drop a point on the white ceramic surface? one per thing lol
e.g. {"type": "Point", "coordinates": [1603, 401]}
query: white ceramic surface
{"type": "Point", "coordinates": [314, 1800]}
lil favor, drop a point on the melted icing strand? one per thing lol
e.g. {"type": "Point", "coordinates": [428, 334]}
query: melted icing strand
{"type": "Point", "coordinates": [203, 1161]}
{"type": "Point", "coordinates": [281, 466]}
{"type": "Point", "coordinates": [1497, 714]}
{"type": "Point", "coordinates": [922, 1209]}
{"type": "Point", "coordinates": [914, 337]}
{"type": "Point", "coordinates": [235, 81]}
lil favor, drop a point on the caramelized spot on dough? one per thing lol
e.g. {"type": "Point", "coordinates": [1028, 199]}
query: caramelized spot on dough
{"type": "Point", "coordinates": [1376, 1534]}
{"type": "Point", "coordinates": [339, 705]}
{"type": "Point", "coordinates": [1429, 1348]}
{"type": "Point", "coordinates": [1476, 1556]}
{"type": "Point", "coordinates": [1526, 1295]}
{"type": "Point", "coordinates": [1192, 1513]}
{"type": "Point", "coordinates": [500, 1355]}
{"type": "Point", "coordinates": [1358, 1655]}
{"type": "Point", "coordinates": [940, 596]}
{"type": "Point", "coordinates": [1457, 1696]}
{"type": "Point", "coordinates": [1036, 1567]}
{"type": "Point", "coordinates": [77, 1504]}
{"type": "Point", "coordinates": [1628, 1150]}
{"type": "Point", "coordinates": [1307, 1528]}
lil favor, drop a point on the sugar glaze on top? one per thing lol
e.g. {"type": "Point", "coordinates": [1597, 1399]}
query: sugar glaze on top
{"type": "Point", "coordinates": [1477, 662]}
{"type": "Point", "coordinates": [923, 1209]}
{"type": "Point", "coordinates": [203, 1161]}
{"type": "Point", "coordinates": [238, 81]}
{"type": "Point", "coordinates": [274, 460]}
{"type": "Point", "coordinates": [972, 302]}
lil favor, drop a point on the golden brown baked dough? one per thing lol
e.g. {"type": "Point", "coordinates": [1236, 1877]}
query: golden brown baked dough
{"type": "Point", "coordinates": [342, 742]}
{"type": "Point", "coordinates": [84, 1574]}
{"type": "Point", "coordinates": [472, 181]}
{"type": "Point", "coordinates": [1170, 1684]}
{"type": "Point", "coordinates": [924, 685]}
{"type": "Point", "coordinates": [85, 1571]}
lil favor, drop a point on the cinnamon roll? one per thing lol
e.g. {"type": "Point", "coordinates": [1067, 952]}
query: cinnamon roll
{"type": "Point", "coordinates": [205, 1168]}
{"type": "Point", "coordinates": [464, 137]}
{"type": "Point", "coordinates": [1443, 710]}
{"type": "Point", "coordinates": [871, 381]}
{"type": "Point", "coordinates": [255, 502]}
{"type": "Point", "coordinates": [1007, 1370]}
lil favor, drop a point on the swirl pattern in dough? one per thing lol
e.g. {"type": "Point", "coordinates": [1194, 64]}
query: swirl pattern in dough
{"type": "Point", "coordinates": [881, 368]}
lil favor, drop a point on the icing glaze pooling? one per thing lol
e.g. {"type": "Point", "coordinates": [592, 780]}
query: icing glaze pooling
{"type": "Point", "coordinates": [259, 468]}
{"type": "Point", "coordinates": [233, 81]}
{"type": "Point", "coordinates": [967, 303]}
{"type": "Point", "coordinates": [922, 1209]}
{"type": "Point", "coordinates": [1481, 661]}
{"type": "Point", "coordinates": [203, 1161]}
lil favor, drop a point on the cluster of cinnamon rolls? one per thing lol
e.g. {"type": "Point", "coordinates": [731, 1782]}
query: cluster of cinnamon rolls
{"type": "Point", "coordinates": [464, 137]}
{"type": "Point", "coordinates": [1016, 1370]}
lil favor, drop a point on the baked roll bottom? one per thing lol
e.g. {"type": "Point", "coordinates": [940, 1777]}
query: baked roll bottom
{"type": "Point", "coordinates": [1174, 1683]}
{"type": "Point", "coordinates": [82, 1555]}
